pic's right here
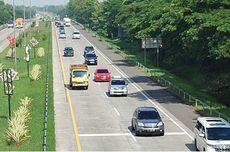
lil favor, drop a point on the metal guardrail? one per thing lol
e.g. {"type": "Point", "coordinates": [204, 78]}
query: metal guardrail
{"type": "Point", "coordinates": [199, 104]}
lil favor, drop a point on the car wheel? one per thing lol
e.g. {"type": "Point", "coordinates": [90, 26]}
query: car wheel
{"type": "Point", "coordinates": [86, 88]}
{"type": "Point", "coordinates": [196, 145]}
{"type": "Point", "coordinates": [136, 132]}
{"type": "Point", "coordinates": [132, 125]}
{"type": "Point", "coordinates": [109, 94]}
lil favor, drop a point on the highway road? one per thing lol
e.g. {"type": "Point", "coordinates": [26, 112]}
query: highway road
{"type": "Point", "coordinates": [4, 33]}
{"type": "Point", "coordinates": [89, 120]}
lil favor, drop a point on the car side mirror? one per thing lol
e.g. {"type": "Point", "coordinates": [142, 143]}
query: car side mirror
{"type": "Point", "coordinates": [201, 135]}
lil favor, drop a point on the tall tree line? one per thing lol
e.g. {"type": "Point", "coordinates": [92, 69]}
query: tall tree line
{"type": "Point", "coordinates": [6, 14]}
{"type": "Point", "coordinates": [194, 32]}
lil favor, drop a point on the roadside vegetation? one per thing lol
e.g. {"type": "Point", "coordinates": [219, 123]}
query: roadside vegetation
{"type": "Point", "coordinates": [24, 132]}
{"type": "Point", "coordinates": [195, 51]}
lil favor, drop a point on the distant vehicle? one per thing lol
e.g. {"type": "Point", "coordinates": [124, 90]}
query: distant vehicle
{"type": "Point", "coordinates": [61, 28]}
{"type": "Point", "coordinates": [19, 22]}
{"type": "Point", "coordinates": [76, 35]}
{"type": "Point", "coordinates": [212, 134]}
{"type": "Point", "coordinates": [102, 75]}
{"type": "Point", "coordinates": [68, 51]}
{"type": "Point", "coordinates": [79, 76]}
{"type": "Point", "coordinates": [57, 23]}
{"type": "Point", "coordinates": [118, 86]}
{"type": "Point", "coordinates": [10, 24]}
{"type": "Point", "coordinates": [67, 21]}
{"type": "Point", "coordinates": [62, 35]}
{"type": "Point", "coordinates": [88, 49]}
{"type": "Point", "coordinates": [91, 58]}
{"type": "Point", "coordinates": [146, 120]}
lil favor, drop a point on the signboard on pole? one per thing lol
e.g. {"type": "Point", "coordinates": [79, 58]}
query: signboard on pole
{"type": "Point", "coordinates": [151, 42]}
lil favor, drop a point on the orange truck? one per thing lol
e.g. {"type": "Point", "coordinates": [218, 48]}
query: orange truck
{"type": "Point", "coordinates": [19, 22]}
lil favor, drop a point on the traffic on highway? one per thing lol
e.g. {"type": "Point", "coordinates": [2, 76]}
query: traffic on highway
{"type": "Point", "coordinates": [104, 114]}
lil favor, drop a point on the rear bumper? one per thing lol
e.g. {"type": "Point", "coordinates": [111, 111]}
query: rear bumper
{"type": "Point", "coordinates": [152, 131]}
{"type": "Point", "coordinates": [118, 92]}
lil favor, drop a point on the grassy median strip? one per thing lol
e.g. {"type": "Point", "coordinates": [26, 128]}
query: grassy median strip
{"type": "Point", "coordinates": [34, 89]}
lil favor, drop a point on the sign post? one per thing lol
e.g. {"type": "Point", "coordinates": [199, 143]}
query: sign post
{"type": "Point", "coordinates": [27, 59]}
{"type": "Point", "coordinates": [151, 43]}
{"type": "Point", "coordinates": [8, 86]}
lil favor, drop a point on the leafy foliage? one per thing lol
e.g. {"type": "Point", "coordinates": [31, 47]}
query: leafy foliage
{"type": "Point", "coordinates": [194, 33]}
{"type": "Point", "coordinates": [35, 73]}
{"type": "Point", "coordinates": [17, 131]}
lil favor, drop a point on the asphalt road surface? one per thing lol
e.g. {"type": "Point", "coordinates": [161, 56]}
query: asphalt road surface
{"type": "Point", "coordinates": [89, 120]}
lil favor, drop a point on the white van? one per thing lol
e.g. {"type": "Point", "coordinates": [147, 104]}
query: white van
{"type": "Point", "coordinates": [212, 134]}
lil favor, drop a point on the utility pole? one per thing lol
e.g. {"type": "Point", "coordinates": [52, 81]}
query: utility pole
{"type": "Point", "coordinates": [15, 54]}
{"type": "Point", "coordinates": [24, 25]}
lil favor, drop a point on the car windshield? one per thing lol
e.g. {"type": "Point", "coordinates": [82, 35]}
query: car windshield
{"type": "Point", "coordinates": [76, 33]}
{"type": "Point", "coordinates": [118, 82]}
{"type": "Point", "coordinates": [102, 71]}
{"type": "Point", "coordinates": [91, 55]}
{"type": "Point", "coordinates": [148, 115]}
{"type": "Point", "coordinates": [218, 133]}
{"type": "Point", "coordinates": [79, 74]}
{"type": "Point", "coordinates": [62, 33]}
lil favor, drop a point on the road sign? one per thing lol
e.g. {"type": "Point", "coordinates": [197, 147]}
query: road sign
{"type": "Point", "coordinates": [151, 42]}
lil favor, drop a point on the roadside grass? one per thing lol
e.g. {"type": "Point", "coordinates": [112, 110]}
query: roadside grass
{"type": "Point", "coordinates": [190, 81]}
{"type": "Point", "coordinates": [34, 90]}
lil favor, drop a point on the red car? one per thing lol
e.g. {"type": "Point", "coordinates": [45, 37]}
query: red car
{"type": "Point", "coordinates": [102, 75]}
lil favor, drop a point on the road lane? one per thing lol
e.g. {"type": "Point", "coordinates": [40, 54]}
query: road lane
{"type": "Point", "coordinates": [99, 124]}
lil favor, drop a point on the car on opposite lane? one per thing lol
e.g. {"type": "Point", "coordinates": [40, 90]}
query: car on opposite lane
{"type": "Point", "coordinates": [146, 120]}
{"type": "Point", "coordinates": [68, 51]}
{"type": "Point", "coordinates": [118, 86]}
{"type": "Point", "coordinates": [102, 74]}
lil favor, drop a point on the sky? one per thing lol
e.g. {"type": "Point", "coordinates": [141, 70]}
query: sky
{"type": "Point", "coordinates": [37, 2]}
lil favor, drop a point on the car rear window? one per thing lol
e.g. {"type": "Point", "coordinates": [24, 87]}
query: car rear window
{"type": "Point", "coordinates": [148, 115]}
{"type": "Point", "coordinates": [102, 71]}
{"type": "Point", "coordinates": [90, 55]}
{"type": "Point", "coordinates": [118, 82]}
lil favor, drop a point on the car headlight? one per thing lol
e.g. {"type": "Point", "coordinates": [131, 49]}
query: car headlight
{"type": "Point", "coordinates": [140, 124]}
{"type": "Point", "coordinates": [160, 124]}
{"type": "Point", "coordinates": [210, 148]}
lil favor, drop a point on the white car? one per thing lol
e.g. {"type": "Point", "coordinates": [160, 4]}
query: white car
{"type": "Point", "coordinates": [212, 134]}
{"type": "Point", "coordinates": [76, 35]}
{"type": "Point", "coordinates": [10, 25]}
{"type": "Point", "coordinates": [62, 35]}
{"type": "Point", "coordinates": [118, 86]}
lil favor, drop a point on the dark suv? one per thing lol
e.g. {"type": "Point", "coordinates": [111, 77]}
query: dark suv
{"type": "Point", "coordinates": [146, 120]}
{"type": "Point", "coordinates": [90, 58]}
{"type": "Point", "coordinates": [88, 49]}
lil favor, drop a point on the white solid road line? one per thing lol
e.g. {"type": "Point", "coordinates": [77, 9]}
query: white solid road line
{"type": "Point", "coordinates": [116, 111]}
{"type": "Point", "coordinates": [124, 134]}
{"type": "Point", "coordinates": [137, 87]}
{"type": "Point", "coordinates": [106, 95]}
{"type": "Point", "coordinates": [132, 136]}
{"type": "Point", "coordinates": [108, 134]}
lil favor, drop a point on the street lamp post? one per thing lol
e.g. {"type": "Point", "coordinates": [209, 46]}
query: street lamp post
{"type": "Point", "coordinates": [15, 54]}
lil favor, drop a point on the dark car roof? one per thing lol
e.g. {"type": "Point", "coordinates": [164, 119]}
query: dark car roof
{"type": "Point", "coordinates": [146, 109]}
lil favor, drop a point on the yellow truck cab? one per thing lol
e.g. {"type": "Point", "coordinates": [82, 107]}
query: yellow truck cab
{"type": "Point", "coordinates": [79, 76]}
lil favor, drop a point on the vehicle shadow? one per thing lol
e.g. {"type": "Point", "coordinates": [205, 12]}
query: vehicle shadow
{"type": "Point", "coordinates": [191, 147]}
{"type": "Point", "coordinates": [76, 88]}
